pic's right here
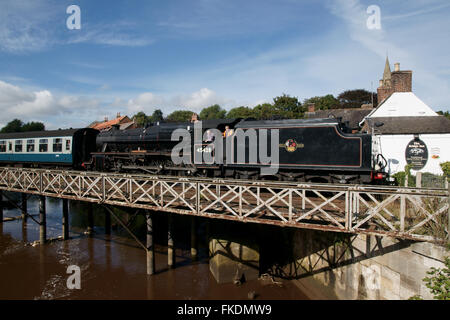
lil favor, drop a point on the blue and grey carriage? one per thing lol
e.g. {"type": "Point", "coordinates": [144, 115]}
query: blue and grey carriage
{"type": "Point", "coordinates": [62, 148]}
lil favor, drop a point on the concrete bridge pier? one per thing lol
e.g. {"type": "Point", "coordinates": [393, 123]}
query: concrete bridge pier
{"type": "Point", "coordinates": [90, 214]}
{"type": "Point", "coordinates": [150, 245]}
{"type": "Point", "coordinates": [65, 219]}
{"type": "Point", "coordinates": [1, 206]}
{"type": "Point", "coordinates": [107, 222]}
{"type": "Point", "coordinates": [24, 206]}
{"type": "Point", "coordinates": [233, 257]}
{"type": "Point", "coordinates": [170, 242]}
{"type": "Point", "coordinates": [193, 238]}
{"type": "Point", "coordinates": [42, 221]}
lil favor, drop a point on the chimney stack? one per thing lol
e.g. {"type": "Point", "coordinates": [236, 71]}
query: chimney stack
{"type": "Point", "coordinates": [311, 107]}
{"type": "Point", "coordinates": [397, 66]}
{"type": "Point", "coordinates": [106, 118]}
{"type": "Point", "coordinates": [118, 115]}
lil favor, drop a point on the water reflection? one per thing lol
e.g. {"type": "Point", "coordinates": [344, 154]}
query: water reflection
{"type": "Point", "coordinates": [112, 266]}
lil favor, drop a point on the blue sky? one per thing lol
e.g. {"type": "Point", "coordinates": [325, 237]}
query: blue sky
{"type": "Point", "coordinates": [138, 55]}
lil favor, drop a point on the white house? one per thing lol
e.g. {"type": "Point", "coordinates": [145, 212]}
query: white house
{"type": "Point", "coordinates": [406, 131]}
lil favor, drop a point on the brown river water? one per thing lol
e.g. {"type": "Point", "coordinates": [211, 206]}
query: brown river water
{"type": "Point", "coordinates": [112, 267]}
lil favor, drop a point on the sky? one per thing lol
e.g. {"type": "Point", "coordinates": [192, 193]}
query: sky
{"type": "Point", "coordinates": [140, 55]}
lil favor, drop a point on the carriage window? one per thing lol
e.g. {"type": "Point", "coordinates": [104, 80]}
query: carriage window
{"type": "Point", "coordinates": [68, 145]}
{"type": "Point", "coordinates": [43, 145]}
{"type": "Point", "coordinates": [2, 146]}
{"type": "Point", "coordinates": [30, 145]}
{"type": "Point", "coordinates": [9, 146]}
{"type": "Point", "coordinates": [18, 146]}
{"type": "Point", "coordinates": [57, 145]}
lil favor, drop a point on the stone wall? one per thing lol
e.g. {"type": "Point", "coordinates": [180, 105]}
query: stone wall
{"type": "Point", "coordinates": [361, 267]}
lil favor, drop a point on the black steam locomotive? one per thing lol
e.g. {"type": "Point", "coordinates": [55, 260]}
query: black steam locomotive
{"type": "Point", "coordinates": [314, 150]}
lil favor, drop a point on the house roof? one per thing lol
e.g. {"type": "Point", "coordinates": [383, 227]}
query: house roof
{"type": "Point", "coordinates": [353, 116]}
{"type": "Point", "coordinates": [402, 104]}
{"type": "Point", "coordinates": [108, 124]}
{"type": "Point", "coordinates": [410, 125]}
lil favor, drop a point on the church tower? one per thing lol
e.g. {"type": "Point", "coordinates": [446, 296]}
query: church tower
{"type": "Point", "coordinates": [394, 81]}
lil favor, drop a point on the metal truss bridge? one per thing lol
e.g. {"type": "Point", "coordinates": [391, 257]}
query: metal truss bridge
{"type": "Point", "coordinates": [406, 213]}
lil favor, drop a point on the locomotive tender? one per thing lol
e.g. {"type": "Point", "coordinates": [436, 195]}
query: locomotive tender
{"type": "Point", "coordinates": [311, 150]}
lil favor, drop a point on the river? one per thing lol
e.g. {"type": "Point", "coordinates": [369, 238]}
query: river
{"type": "Point", "coordinates": [112, 267]}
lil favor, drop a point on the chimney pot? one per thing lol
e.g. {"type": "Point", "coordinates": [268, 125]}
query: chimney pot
{"type": "Point", "coordinates": [397, 66]}
{"type": "Point", "coordinates": [106, 119]}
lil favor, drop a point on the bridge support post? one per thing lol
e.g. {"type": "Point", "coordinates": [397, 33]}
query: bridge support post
{"type": "Point", "coordinates": [1, 206]}
{"type": "Point", "coordinates": [107, 222]}
{"type": "Point", "coordinates": [170, 242]}
{"type": "Point", "coordinates": [150, 245]}
{"type": "Point", "coordinates": [24, 206]}
{"type": "Point", "coordinates": [65, 219]}
{"type": "Point", "coordinates": [90, 213]}
{"type": "Point", "coordinates": [193, 238]}
{"type": "Point", "coordinates": [42, 221]}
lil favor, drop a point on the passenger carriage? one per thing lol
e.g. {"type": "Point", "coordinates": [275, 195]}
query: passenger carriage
{"type": "Point", "coordinates": [65, 148]}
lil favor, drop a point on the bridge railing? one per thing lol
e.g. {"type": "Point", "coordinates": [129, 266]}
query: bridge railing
{"type": "Point", "coordinates": [408, 213]}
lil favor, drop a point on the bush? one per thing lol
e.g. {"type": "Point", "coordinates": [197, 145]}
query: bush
{"type": "Point", "coordinates": [446, 168]}
{"type": "Point", "coordinates": [439, 281]}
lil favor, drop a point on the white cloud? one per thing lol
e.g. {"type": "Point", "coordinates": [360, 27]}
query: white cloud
{"type": "Point", "coordinates": [146, 102]}
{"type": "Point", "coordinates": [194, 101]}
{"type": "Point", "coordinates": [16, 102]}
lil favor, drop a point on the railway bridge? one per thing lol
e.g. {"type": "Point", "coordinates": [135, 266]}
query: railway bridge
{"type": "Point", "coordinates": [416, 214]}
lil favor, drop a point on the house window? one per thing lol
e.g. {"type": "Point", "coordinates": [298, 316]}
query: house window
{"type": "Point", "coordinates": [2, 146]}
{"type": "Point", "coordinates": [30, 145]}
{"type": "Point", "coordinates": [57, 145]}
{"type": "Point", "coordinates": [43, 145]}
{"type": "Point", "coordinates": [18, 146]}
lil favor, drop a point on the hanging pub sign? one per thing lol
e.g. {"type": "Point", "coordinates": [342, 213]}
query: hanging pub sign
{"type": "Point", "coordinates": [416, 153]}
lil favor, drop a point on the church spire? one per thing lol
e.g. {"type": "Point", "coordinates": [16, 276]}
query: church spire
{"type": "Point", "coordinates": [387, 70]}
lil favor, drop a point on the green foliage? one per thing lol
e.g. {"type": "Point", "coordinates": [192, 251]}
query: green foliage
{"type": "Point", "coordinates": [439, 281]}
{"type": "Point", "coordinates": [17, 125]}
{"type": "Point", "coordinates": [179, 116]}
{"type": "Point", "coordinates": [445, 114]}
{"type": "Point", "coordinates": [355, 98]}
{"type": "Point", "coordinates": [445, 166]}
{"type": "Point", "coordinates": [400, 177]}
{"type": "Point", "coordinates": [265, 111]}
{"type": "Point", "coordinates": [240, 112]}
{"type": "Point", "coordinates": [288, 107]}
{"type": "Point", "coordinates": [157, 116]}
{"type": "Point", "coordinates": [212, 112]}
{"type": "Point", "coordinates": [140, 119]}
{"type": "Point", "coordinates": [323, 102]}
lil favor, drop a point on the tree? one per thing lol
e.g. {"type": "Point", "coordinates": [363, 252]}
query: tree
{"type": "Point", "coordinates": [33, 126]}
{"type": "Point", "coordinates": [17, 125]}
{"type": "Point", "coordinates": [212, 112]}
{"type": "Point", "coordinates": [266, 111]}
{"type": "Point", "coordinates": [179, 116]}
{"type": "Point", "coordinates": [323, 102]}
{"type": "Point", "coordinates": [13, 126]}
{"type": "Point", "coordinates": [240, 112]}
{"type": "Point", "coordinates": [445, 114]}
{"type": "Point", "coordinates": [157, 116]}
{"type": "Point", "coordinates": [288, 107]}
{"type": "Point", "coordinates": [141, 119]}
{"type": "Point", "coordinates": [355, 98]}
